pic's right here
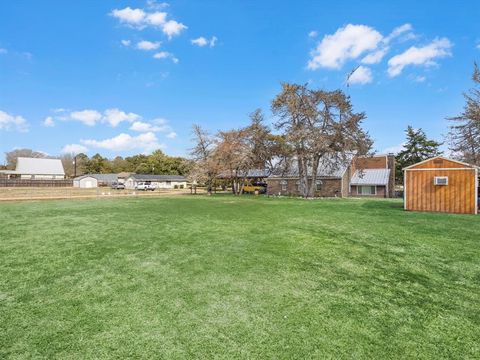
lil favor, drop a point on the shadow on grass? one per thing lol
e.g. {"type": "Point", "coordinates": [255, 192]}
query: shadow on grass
{"type": "Point", "coordinates": [395, 204]}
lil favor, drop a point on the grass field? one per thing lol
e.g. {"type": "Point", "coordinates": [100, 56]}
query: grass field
{"type": "Point", "coordinates": [225, 277]}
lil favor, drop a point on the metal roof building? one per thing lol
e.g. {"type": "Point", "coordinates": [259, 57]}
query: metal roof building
{"type": "Point", "coordinates": [37, 169]}
{"type": "Point", "coordinates": [371, 177]}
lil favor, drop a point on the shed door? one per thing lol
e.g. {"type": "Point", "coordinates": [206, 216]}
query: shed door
{"type": "Point", "coordinates": [88, 184]}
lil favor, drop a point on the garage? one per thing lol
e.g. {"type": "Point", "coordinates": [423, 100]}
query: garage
{"type": "Point", "coordinates": [85, 181]}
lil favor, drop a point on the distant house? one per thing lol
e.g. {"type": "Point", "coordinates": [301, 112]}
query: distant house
{"type": "Point", "coordinates": [443, 185]}
{"type": "Point", "coordinates": [100, 180]}
{"type": "Point", "coordinates": [368, 176]}
{"type": "Point", "coordinates": [36, 169]}
{"type": "Point", "coordinates": [159, 181]}
{"type": "Point", "coordinates": [373, 176]}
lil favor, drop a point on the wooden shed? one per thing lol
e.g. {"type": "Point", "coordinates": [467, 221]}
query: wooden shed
{"type": "Point", "coordinates": [443, 185]}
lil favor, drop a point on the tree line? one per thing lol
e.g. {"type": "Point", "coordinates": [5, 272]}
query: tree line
{"type": "Point", "coordinates": [156, 163]}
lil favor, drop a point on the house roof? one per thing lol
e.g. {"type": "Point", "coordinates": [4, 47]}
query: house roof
{"type": "Point", "coordinates": [326, 168]}
{"type": "Point", "coordinates": [149, 177]}
{"type": "Point", "coordinates": [370, 177]}
{"type": "Point", "coordinates": [252, 173]}
{"type": "Point", "coordinates": [39, 166]}
{"type": "Point", "coordinates": [100, 177]}
{"type": "Point", "coordinates": [84, 177]}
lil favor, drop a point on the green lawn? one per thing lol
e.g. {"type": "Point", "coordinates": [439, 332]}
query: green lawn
{"type": "Point", "coordinates": [225, 277]}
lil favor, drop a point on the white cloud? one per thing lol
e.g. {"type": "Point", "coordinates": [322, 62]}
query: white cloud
{"type": "Point", "coordinates": [152, 4]}
{"type": "Point", "coordinates": [126, 42]}
{"type": "Point", "coordinates": [313, 34]}
{"type": "Point", "coordinates": [346, 43]}
{"type": "Point", "coordinates": [116, 116]}
{"type": "Point", "coordinates": [165, 55]}
{"type": "Point", "coordinates": [420, 78]}
{"type": "Point", "coordinates": [172, 28]}
{"type": "Point", "coordinates": [140, 19]}
{"type": "Point", "coordinates": [133, 17]}
{"type": "Point", "coordinates": [148, 45]}
{"type": "Point", "coordinates": [146, 143]}
{"type": "Point", "coordinates": [362, 75]}
{"type": "Point", "coordinates": [393, 149]}
{"type": "Point", "coordinates": [398, 31]}
{"type": "Point", "coordinates": [157, 18]}
{"type": "Point", "coordinates": [12, 122]}
{"type": "Point", "coordinates": [157, 125]}
{"type": "Point", "coordinates": [3, 51]}
{"type": "Point", "coordinates": [201, 41]}
{"type": "Point", "coordinates": [213, 41]}
{"type": "Point", "coordinates": [74, 149]}
{"type": "Point", "coordinates": [111, 116]}
{"type": "Point", "coordinates": [375, 57]}
{"type": "Point", "coordinates": [172, 135]}
{"type": "Point", "coordinates": [425, 56]}
{"type": "Point", "coordinates": [48, 122]}
{"type": "Point", "coordinates": [87, 117]}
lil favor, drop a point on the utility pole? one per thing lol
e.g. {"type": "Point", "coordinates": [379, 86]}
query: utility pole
{"type": "Point", "coordinates": [75, 166]}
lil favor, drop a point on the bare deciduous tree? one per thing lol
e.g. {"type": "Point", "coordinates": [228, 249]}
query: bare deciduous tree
{"type": "Point", "coordinates": [205, 168]}
{"type": "Point", "coordinates": [464, 132]}
{"type": "Point", "coordinates": [321, 128]}
{"type": "Point", "coordinates": [233, 154]}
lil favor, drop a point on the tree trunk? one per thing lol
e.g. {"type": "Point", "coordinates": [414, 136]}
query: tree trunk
{"type": "Point", "coordinates": [313, 184]}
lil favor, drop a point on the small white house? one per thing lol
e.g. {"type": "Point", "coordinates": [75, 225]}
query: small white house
{"type": "Point", "coordinates": [85, 181]}
{"type": "Point", "coordinates": [159, 181]}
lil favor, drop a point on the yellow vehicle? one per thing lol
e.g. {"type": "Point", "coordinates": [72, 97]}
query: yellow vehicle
{"type": "Point", "coordinates": [251, 188]}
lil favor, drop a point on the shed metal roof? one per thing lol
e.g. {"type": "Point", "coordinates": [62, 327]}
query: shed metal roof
{"type": "Point", "coordinates": [100, 177]}
{"type": "Point", "coordinates": [370, 177]}
{"type": "Point", "coordinates": [149, 177]}
{"type": "Point", "coordinates": [39, 166]}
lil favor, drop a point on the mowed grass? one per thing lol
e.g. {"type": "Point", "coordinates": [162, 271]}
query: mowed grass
{"type": "Point", "coordinates": [224, 277]}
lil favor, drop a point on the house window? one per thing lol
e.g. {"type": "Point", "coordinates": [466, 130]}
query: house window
{"type": "Point", "coordinates": [440, 180]}
{"type": "Point", "coordinates": [284, 183]}
{"type": "Point", "coordinates": [299, 186]}
{"type": "Point", "coordinates": [168, 183]}
{"type": "Point", "coordinates": [367, 190]}
{"type": "Point", "coordinates": [318, 185]}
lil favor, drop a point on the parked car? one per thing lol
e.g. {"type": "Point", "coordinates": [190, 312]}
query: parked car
{"type": "Point", "coordinates": [145, 186]}
{"type": "Point", "coordinates": [261, 187]}
{"type": "Point", "coordinates": [117, 186]}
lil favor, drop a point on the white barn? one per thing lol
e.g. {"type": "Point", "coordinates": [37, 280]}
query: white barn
{"type": "Point", "coordinates": [37, 169]}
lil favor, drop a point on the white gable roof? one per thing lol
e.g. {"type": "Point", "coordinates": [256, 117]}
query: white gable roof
{"type": "Point", "coordinates": [37, 166]}
{"type": "Point", "coordinates": [371, 177]}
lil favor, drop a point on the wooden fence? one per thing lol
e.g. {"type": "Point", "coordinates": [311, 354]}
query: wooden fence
{"type": "Point", "coordinates": [35, 183]}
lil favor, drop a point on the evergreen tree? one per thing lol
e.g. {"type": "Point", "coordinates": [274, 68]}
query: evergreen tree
{"type": "Point", "coordinates": [417, 148]}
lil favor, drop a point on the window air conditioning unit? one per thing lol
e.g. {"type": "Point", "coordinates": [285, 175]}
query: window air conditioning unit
{"type": "Point", "coordinates": [440, 180]}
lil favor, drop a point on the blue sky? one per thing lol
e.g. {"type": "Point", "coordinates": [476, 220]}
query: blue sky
{"type": "Point", "coordinates": [124, 77]}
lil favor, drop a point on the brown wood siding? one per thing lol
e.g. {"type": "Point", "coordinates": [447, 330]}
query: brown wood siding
{"type": "Point", "coordinates": [439, 163]}
{"type": "Point", "coordinates": [456, 197]}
